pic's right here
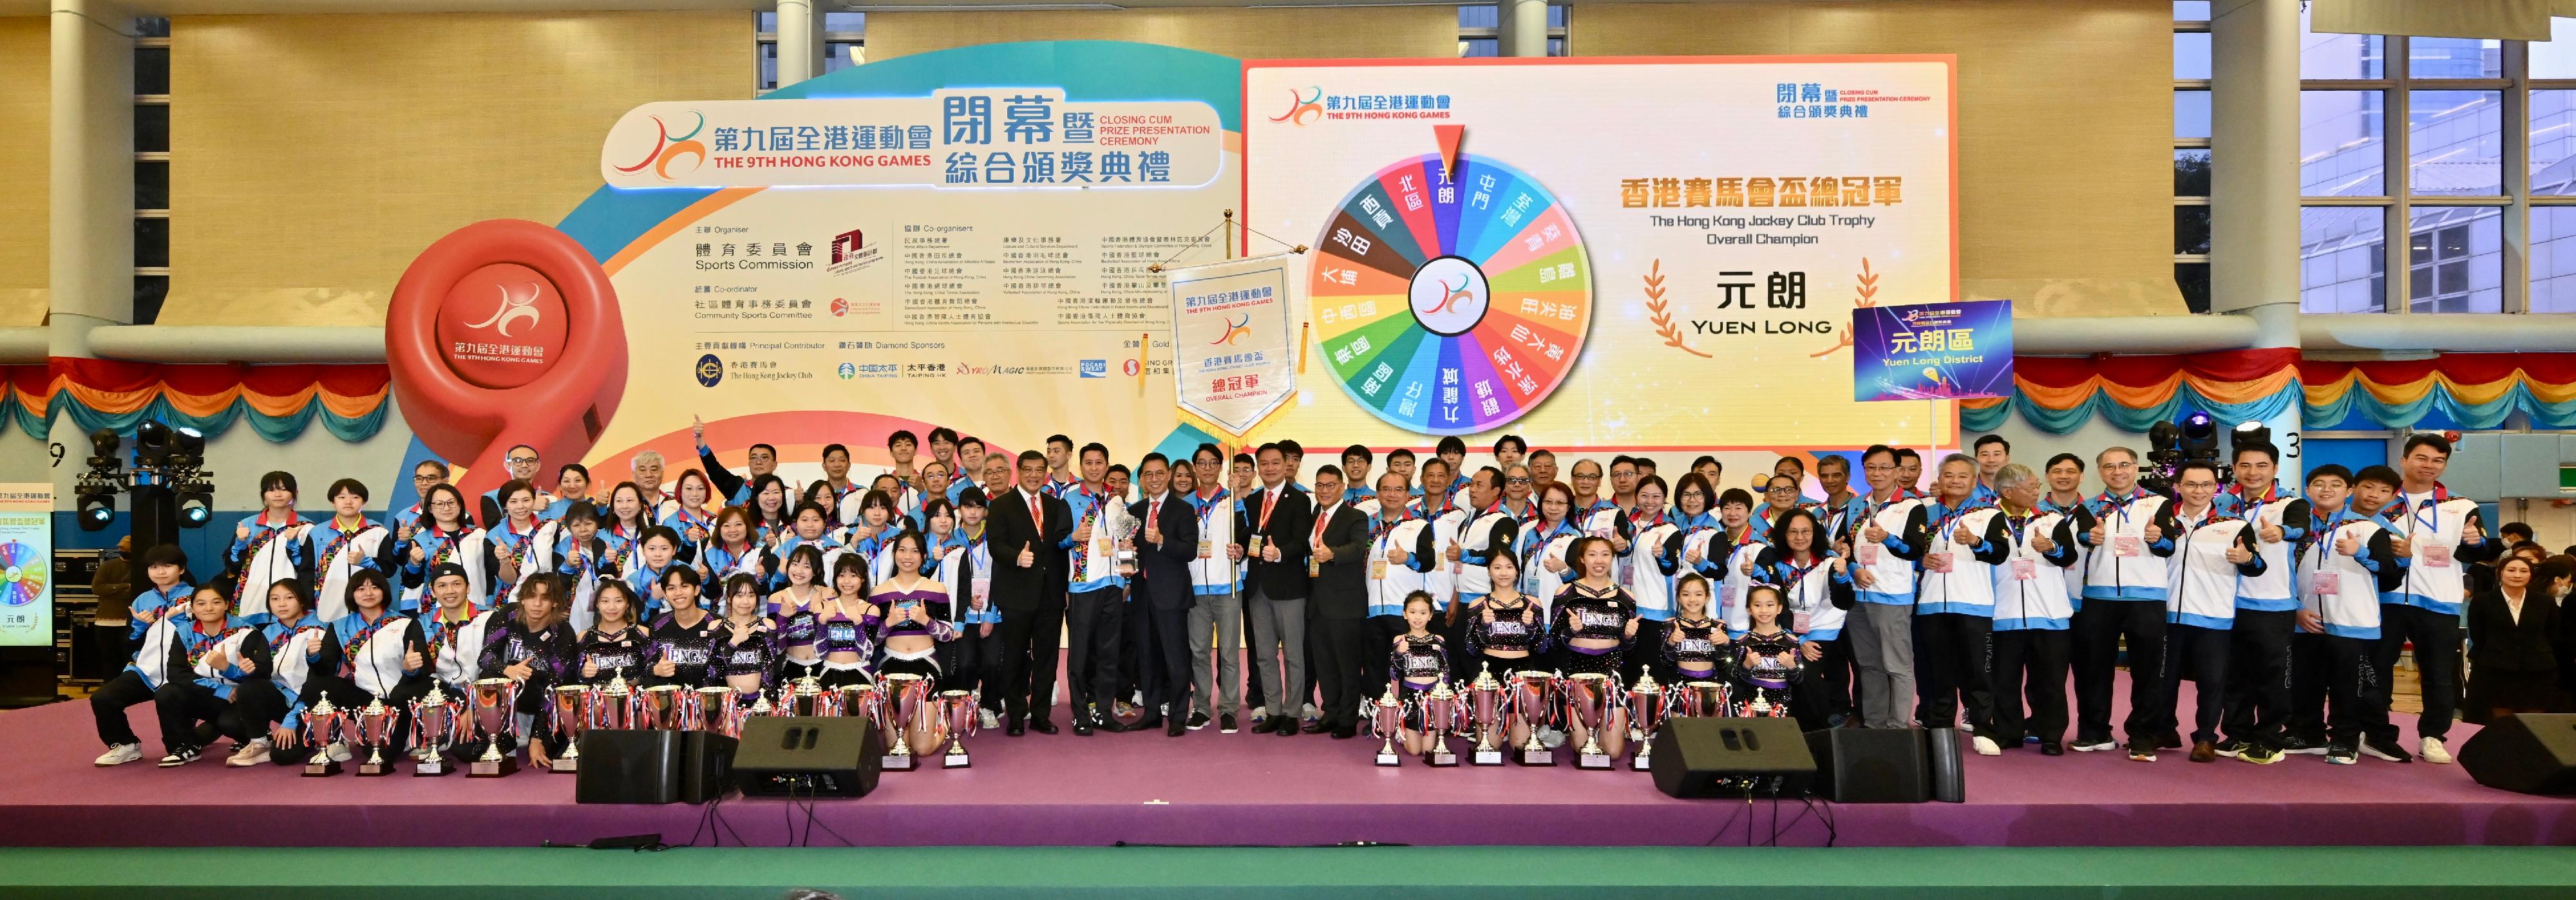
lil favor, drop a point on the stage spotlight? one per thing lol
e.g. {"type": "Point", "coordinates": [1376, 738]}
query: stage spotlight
{"type": "Point", "coordinates": [2248, 434]}
{"type": "Point", "coordinates": [189, 450]}
{"type": "Point", "coordinates": [195, 507]}
{"type": "Point", "coordinates": [96, 511]}
{"type": "Point", "coordinates": [103, 444]}
{"type": "Point", "coordinates": [151, 444]}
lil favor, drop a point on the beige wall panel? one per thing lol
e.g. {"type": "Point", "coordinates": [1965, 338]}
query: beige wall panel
{"type": "Point", "coordinates": [1344, 32]}
{"type": "Point", "coordinates": [312, 157]}
{"type": "Point", "coordinates": [2065, 125]}
{"type": "Point", "coordinates": [25, 43]}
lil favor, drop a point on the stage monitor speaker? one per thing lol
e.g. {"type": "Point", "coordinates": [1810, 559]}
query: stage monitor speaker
{"type": "Point", "coordinates": [622, 766]}
{"type": "Point", "coordinates": [2530, 753]}
{"type": "Point", "coordinates": [1873, 765]}
{"type": "Point", "coordinates": [1942, 760]}
{"type": "Point", "coordinates": [706, 765]}
{"type": "Point", "coordinates": [1715, 757]}
{"type": "Point", "coordinates": [827, 756]}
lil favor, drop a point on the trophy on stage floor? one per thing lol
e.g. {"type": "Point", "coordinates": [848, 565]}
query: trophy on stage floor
{"type": "Point", "coordinates": [742, 714]}
{"type": "Point", "coordinates": [321, 727]}
{"type": "Point", "coordinates": [1645, 711]}
{"type": "Point", "coordinates": [375, 726]}
{"type": "Point", "coordinates": [857, 701]}
{"type": "Point", "coordinates": [570, 708]}
{"type": "Point", "coordinates": [435, 719]}
{"type": "Point", "coordinates": [1702, 699]}
{"type": "Point", "coordinates": [1439, 712]}
{"type": "Point", "coordinates": [956, 723]}
{"type": "Point", "coordinates": [661, 708]}
{"type": "Point", "coordinates": [1588, 695]}
{"type": "Point", "coordinates": [1530, 697]}
{"type": "Point", "coordinates": [612, 708]}
{"type": "Point", "coordinates": [714, 712]}
{"type": "Point", "coordinates": [805, 697]}
{"type": "Point", "coordinates": [495, 702]}
{"type": "Point", "coordinates": [1388, 718]}
{"type": "Point", "coordinates": [1485, 707]}
{"type": "Point", "coordinates": [905, 694]}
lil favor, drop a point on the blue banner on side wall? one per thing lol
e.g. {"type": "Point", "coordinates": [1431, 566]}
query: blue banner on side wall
{"type": "Point", "coordinates": [1932, 351]}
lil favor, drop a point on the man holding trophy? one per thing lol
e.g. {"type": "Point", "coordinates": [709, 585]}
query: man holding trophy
{"type": "Point", "coordinates": [1095, 601]}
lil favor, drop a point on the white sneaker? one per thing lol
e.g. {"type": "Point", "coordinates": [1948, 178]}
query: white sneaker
{"type": "Point", "coordinates": [181, 757]}
{"type": "Point", "coordinates": [990, 720]}
{"type": "Point", "coordinates": [250, 754]}
{"type": "Point", "coordinates": [2091, 746]}
{"type": "Point", "coordinates": [1259, 713]}
{"type": "Point", "coordinates": [1986, 746]}
{"type": "Point", "coordinates": [119, 755]}
{"type": "Point", "coordinates": [1311, 713]}
{"type": "Point", "coordinates": [1551, 737]}
{"type": "Point", "coordinates": [339, 751]}
{"type": "Point", "coordinates": [2432, 751]}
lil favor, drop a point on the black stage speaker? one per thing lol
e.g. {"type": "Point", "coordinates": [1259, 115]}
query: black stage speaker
{"type": "Point", "coordinates": [706, 765]}
{"type": "Point", "coordinates": [1878, 765]}
{"type": "Point", "coordinates": [2531, 753]}
{"type": "Point", "coordinates": [622, 766]}
{"type": "Point", "coordinates": [826, 756]}
{"type": "Point", "coordinates": [1713, 757]}
{"type": "Point", "coordinates": [1949, 773]}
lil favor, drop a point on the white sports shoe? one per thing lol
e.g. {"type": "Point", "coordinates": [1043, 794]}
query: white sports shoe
{"type": "Point", "coordinates": [990, 720]}
{"type": "Point", "coordinates": [1986, 746]}
{"type": "Point", "coordinates": [2432, 751]}
{"type": "Point", "coordinates": [250, 754]}
{"type": "Point", "coordinates": [339, 751]}
{"type": "Point", "coordinates": [119, 755]}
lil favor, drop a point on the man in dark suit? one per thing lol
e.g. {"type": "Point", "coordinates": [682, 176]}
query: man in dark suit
{"type": "Point", "coordinates": [1274, 527]}
{"type": "Point", "coordinates": [1164, 551]}
{"type": "Point", "coordinates": [1338, 599]}
{"type": "Point", "coordinates": [1028, 530]}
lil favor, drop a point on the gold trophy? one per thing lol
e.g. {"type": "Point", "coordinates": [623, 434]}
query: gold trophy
{"type": "Point", "coordinates": [375, 732]}
{"type": "Point", "coordinates": [1485, 704]}
{"type": "Point", "coordinates": [613, 707]}
{"type": "Point", "coordinates": [1389, 719]}
{"type": "Point", "coordinates": [1439, 711]}
{"type": "Point", "coordinates": [804, 698]}
{"type": "Point", "coordinates": [1645, 711]}
{"type": "Point", "coordinates": [661, 708]}
{"type": "Point", "coordinates": [321, 723]}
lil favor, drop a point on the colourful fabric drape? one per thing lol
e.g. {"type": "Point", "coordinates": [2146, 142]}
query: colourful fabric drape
{"type": "Point", "coordinates": [279, 402]}
{"type": "Point", "coordinates": [2474, 390]}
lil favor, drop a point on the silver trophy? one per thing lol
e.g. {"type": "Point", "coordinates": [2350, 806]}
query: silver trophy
{"type": "Point", "coordinates": [321, 727]}
{"type": "Point", "coordinates": [956, 723]}
{"type": "Point", "coordinates": [1645, 712]}
{"type": "Point", "coordinates": [375, 730]}
{"type": "Point", "coordinates": [1589, 695]}
{"type": "Point", "coordinates": [1388, 718]}
{"type": "Point", "coordinates": [906, 695]}
{"type": "Point", "coordinates": [494, 704]}
{"type": "Point", "coordinates": [435, 719]}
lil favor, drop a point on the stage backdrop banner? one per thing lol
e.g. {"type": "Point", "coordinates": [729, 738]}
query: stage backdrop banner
{"type": "Point", "coordinates": [1234, 334]}
{"type": "Point", "coordinates": [1641, 254]}
{"type": "Point", "coordinates": [877, 249]}
{"type": "Point", "coordinates": [1932, 351]}
{"type": "Point", "coordinates": [27, 553]}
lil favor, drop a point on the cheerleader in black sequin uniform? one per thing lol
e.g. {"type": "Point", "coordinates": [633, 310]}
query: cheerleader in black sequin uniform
{"type": "Point", "coordinates": [1599, 621]}
{"type": "Point", "coordinates": [1420, 662]}
{"type": "Point", "coordinates": [1506, 633]}
{"type": "Point", "coordinates": [745, 654]}
{"type": "Point", "coordinates": [535, 648]}
{"type": "Point", "coordinates": [1694, 645]}
{"type": "Point", "coordinates": [1765, 660]}
{"type": "Point", "coordinates": [615, 645]}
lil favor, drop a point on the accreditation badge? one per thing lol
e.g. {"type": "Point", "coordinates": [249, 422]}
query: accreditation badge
{"type": "Point", "coordinates": [2025, 569]}
{"type": "Point", "coordinates": [2326, 584]}
{"type": "Point", "coordinates": [1252, 547]}
{"type": "Point", "coordinates": [2128, 545]}
{"type": "Point", "coordinates": [2435, 555]}
{"type": "Point", "coordinates": [1314, 566]}
{"type": "Point", "coordinates": [1207, 548]}
{"type": "Point", "coordinates": [1868, 553]}
{"type": "Point", "coordinates": [1377, 569]}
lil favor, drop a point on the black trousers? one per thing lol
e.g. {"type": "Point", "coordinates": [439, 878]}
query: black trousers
{"type": "Point", "coordinates": [1252, 693]}
{"type": "Point", "coordinates": [2258, 676]}
{"type": "Point", "coordinates": [1029, 636]}
{"type": "Point", "coordinates": [1093, 621]}
{"type": "Point", "coordinates": [2437, 664]}
{"type": "Point", "coordinates": [1341, 651]}
{"type": "Point", "coordinates": [2031, 665]}
{"type": "Point", "coordinates": [1823, 696]}
{"type": "Point", "coordinates": [2099, 629]}
{"type": "Point", "coordinates": [1166, 659]}
{"type": "Point", "coordinates": [2358, 689]}
{"type": "Point", "coordinates": [1952, 653]}
{"type": "Point", "coordinates": [962, 661]}
{"type": "Point", "coordinates": [179, 706]}
{"type": "Point", "coordinates": [1139, 659]}
{"type": "Point", "coordinates": [2199, 654]}
{"type": "Point", "coordinates": [2311, 677]}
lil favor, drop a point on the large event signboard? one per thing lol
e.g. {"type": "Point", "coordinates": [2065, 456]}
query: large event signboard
{"type": "Point", "coordinates": [1606, 253]}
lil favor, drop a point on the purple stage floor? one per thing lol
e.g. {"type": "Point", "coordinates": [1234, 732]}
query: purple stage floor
{"type": "Point", "coordinates": [1211, 788]}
